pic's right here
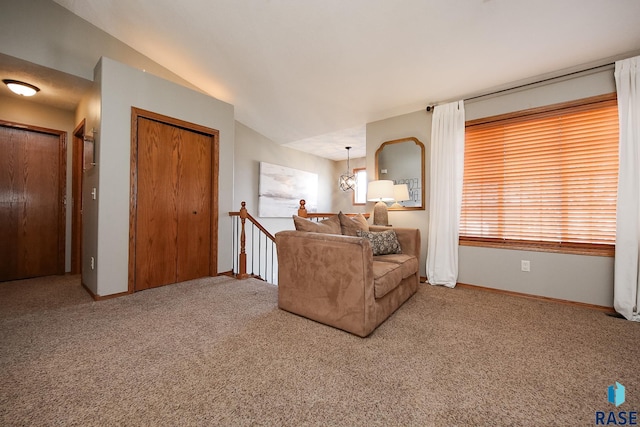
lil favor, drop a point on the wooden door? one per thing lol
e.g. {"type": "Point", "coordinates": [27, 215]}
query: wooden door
{"type": "Point", "coordinates": [194, 206]}
{"type": "Point", "coordinates": [76, 198]}
{"type": "Point", "coordinates": [32, 215]}
{"type": "Point", "coordinates": [173, 218]}
{"type": "Point", "coordinates": [157, 221]}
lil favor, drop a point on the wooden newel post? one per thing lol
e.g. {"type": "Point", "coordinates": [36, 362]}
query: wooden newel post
{"type": "Point", "coordinates": [242, 260]}
{"type": "Point", "coordinates": [302, 211]}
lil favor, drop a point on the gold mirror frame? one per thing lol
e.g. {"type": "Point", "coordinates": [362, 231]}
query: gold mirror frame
{"type": "Point", "coordinates": [389, 144]}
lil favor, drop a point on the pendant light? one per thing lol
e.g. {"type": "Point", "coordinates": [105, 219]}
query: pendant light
{"type": "Point", "coordinates": [347, 180]}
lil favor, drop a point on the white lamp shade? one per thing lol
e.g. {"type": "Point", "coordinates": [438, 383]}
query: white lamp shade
{"type": "Point", "coordinates": [401, 192]}
{"type": "Point", "coordinates": [381, 190]}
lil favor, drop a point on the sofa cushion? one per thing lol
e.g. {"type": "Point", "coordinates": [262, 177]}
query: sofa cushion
{"type": "Point", "coordinates": [330, 225]}
{"type": "Point", "coordinates": [351, 225]}
{"type": "Point", "coordinates": [386, 277]}
{"type": "Point", "coordinates": [408, 263]}
{"type": "Point", "coordinates": [382, 242]}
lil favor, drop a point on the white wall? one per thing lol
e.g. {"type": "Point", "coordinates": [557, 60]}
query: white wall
{"type": "Point", "coordinates": [586, 279]}
{"type": "Point", "coordinates": [251, 148]}
{"type": "Point", "coordinates": [45, 33]}
{"type": "Point", "coordinates": [418, 125]}
{"type": "Point", "coordinates": [343, 200]}
{"type": "Point", "coordinates": [123, 87]}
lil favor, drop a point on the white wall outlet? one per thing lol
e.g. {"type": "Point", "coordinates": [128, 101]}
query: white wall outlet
{"type": "Point", "coordinates": [93, 263]}
{"type": "Point", "coordinates": [525, 265]}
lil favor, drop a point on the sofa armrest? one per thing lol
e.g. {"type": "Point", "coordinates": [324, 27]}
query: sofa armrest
{"type": "Point", "coordinates": [327, 278]}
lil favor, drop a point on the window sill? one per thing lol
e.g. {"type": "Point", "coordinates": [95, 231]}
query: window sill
{"type": "Point", "coordinates": [566, 248]}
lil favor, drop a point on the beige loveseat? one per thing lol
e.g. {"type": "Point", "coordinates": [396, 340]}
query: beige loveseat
{"type": "Point", "coordinates": [335, 279]}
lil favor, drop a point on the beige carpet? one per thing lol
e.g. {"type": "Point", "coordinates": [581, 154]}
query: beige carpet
{"type": "Point", "coordinates": [218, 352]}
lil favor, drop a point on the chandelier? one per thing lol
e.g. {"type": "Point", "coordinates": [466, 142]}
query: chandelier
{"type": "Point", "coordinates": [347, 180]}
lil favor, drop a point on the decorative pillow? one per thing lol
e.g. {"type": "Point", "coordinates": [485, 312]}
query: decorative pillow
{"type": "Point", "coordinates": [351, 225]}
{"type": "Point", "coordinates": [382, 242]}
{"type": "Point", "coordinates": [330, 225]}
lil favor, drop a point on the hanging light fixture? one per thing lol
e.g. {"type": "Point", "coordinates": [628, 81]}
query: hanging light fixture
{"type": "Point", "coordinates": [21, 88]}
{"type": "Point", "coordinates": [347, 180]}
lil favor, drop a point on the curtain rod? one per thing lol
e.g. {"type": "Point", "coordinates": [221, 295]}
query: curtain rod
{"type": "Point", "coordinates": [524, 85]}
{"type": "Point", "coordinates": [603, 66]}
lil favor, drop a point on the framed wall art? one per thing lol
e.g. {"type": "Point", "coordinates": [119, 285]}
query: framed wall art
{"type": "Point", "coordinates": [281, 189]}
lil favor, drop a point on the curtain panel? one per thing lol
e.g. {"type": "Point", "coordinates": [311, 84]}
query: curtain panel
{"type": "Point", "coordinates": [626, 295]}
{"type": "Point", "coordinates": [445, 200]}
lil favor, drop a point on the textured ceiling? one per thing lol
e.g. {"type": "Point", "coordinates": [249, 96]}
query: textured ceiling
{"type": "Point", "coordinates": [333, 145]}
{"type": "Point", "coordinates": [314, 70]}
{"type": "Point", "coordinates": [58, 89]}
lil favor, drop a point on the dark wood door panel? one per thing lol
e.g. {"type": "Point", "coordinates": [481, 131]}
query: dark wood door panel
{"type": "Point", "coordinates": [173, 215]}
{"type": "Point", "coordinates": [194, 206]}
{"type": "Point", "coordinates": [157, 222]}
{"type": "Point", "coordinates": [31, 208]}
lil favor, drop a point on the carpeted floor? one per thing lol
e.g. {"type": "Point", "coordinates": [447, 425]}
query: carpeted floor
{"type": "Point", "coordinates": [217, 351]}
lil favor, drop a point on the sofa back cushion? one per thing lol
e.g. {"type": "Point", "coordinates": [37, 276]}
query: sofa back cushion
{"type": "Point", "coordinates": [330, 225]}
{"type": "Point", "coordinates": [351, 225]}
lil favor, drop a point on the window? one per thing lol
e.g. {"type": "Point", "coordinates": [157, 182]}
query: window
{"type": "Point", "coordinates": [543, 179]}
{"type": "Point", "coordinates": [360, 192]}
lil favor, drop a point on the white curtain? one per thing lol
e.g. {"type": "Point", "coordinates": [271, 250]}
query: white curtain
{"type": "Point", "coordinates": [626, 295]}
{"type": "Point", "coordinates": [445, 199]}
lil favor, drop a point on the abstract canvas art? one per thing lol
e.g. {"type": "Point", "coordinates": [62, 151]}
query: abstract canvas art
{"type": "Point", "coordinates": [281, 189]}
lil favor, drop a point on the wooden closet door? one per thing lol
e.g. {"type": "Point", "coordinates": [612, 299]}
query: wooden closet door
{"type": "Point", "coordinates": [31, 208]}
{"type": "Point", "coordinates": [194, 205]}
{"type": "Point", "coordinates": [157, 218]}
{"type": "Point", "coordinates": [173, 220]}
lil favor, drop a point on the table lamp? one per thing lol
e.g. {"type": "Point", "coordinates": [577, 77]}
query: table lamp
{"type": "Point", "coordinates": [380, 191]}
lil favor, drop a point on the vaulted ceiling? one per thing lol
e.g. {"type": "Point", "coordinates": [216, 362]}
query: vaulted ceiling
{"type": "Point", "coordinates": [305, 72]}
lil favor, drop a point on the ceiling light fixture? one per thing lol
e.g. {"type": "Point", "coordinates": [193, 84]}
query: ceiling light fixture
{"type": "Point", "coordinates": [347, 180]}
{"type": "Point", "coordinates": [21, 88]}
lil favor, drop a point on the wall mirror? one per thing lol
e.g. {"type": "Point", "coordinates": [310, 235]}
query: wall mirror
{"type": "Point", "coordinates": [402, 161]}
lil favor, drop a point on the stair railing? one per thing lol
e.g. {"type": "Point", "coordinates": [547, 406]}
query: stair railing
{"type": "Point", "coordinates": [255, 246]}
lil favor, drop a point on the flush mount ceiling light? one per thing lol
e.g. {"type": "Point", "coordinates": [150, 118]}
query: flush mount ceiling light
{"type": "Point", "coordinates": [347, 180]}
{"type": "Point", "coordinates": [21, 88]}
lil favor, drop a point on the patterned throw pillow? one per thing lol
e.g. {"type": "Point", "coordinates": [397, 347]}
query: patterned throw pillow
{"type": "Point", "coordinates": [382, 242]}
{"type": "Point", "coordinates": [327, 226]}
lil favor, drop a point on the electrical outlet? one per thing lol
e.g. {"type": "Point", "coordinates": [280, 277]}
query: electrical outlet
{"type": "Point", "coordinates": [525, 265]}
{"type": "Point", "coordinates": [93, 263]}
